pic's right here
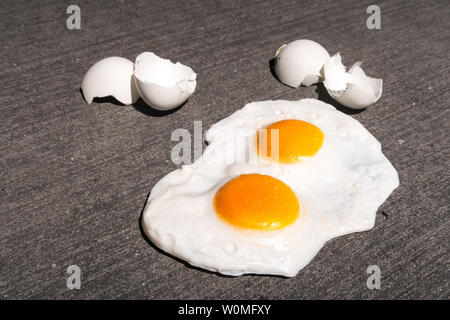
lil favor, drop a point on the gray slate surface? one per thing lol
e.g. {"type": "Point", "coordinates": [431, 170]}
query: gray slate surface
{"type": "Point", "coordinates": [74, 177]}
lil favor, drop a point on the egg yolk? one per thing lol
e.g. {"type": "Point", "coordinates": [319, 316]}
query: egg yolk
{"type": "Point", "coordinates": [257, 201]}
{"type": "Point", "coordinates": [297, 140]}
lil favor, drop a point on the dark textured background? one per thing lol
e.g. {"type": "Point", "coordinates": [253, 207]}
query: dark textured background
{"type": "Point", "coordinates": [74, 177]}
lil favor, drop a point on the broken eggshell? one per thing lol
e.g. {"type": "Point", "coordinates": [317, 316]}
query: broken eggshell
{"type": "Point", "coordinates": [335, 75]}
{"type": "Point", "coordinates": [162, 84]}
{"type": "Point", "coordinates": [353, 89]}
{"type": "Point", "coordinates": [300, 62]}
{"type": "Point", "coordinates": [111, 76]}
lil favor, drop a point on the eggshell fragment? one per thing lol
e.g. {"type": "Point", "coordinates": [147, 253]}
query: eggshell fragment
{"type": "Point", "coordinates": [111, 76]}
{"type": "Point", "coordinates": [353, 89]}
{"type": "Point", "coordinates": [162, 84]}
{"type": "Point", "coordinates": [335, 75]}
{"type": "Point", "coordinates": [300, 62]}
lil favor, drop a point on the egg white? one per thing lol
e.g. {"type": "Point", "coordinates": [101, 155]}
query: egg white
{"type": "Point", "coordinates": [339, 188]}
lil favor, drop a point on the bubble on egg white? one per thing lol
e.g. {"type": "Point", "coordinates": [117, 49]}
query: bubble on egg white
{"type": "Point", "coordinates": [229, 247]}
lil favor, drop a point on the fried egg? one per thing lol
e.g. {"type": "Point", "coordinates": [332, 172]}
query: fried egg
{"type": "Point", "coordinates": [277, 180]}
